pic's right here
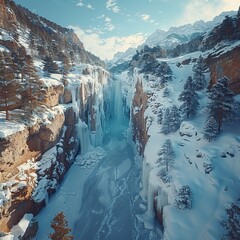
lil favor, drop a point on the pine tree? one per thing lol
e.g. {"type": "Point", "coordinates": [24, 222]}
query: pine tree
{"type": "Point", "coordinates": [9, 86]}
{"type": "Point", "coordinates": [166, 155]}
{"type": "Point", "coordinates": [19, 58]}
{"type": "Point", "coordinates": [65, 63]}
{"type": "Point", "coordinates": [165, 122]}
{"type": "Point", "coordinates": [33, 93]}
{"type": "Point", "coordinates": [49, 66]}
{"type": "Point", "coordinates": [166, 92]}
{"type": "Point", "coordinates": [221, 106]}
{"type": "Point", "coordinates": [199, 78]}
{"type": "Point", "coordinates": [211, 129]}
{"type": "Point", "coordinates": [60, 227]}
{"type": "Point", "coordinates": [174, 119]}
{"type": "Point", "coordinates": [160, 115]}
{"type": "Point", "coordinates": [183, 199]}
{"type": "Point", "coordinates": [232, 223]}
{"type": "Point", "coordinates": [189, 98]}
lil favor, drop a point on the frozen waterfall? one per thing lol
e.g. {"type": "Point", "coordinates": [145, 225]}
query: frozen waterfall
{"type": "Point", "coordinates": [118, 103]}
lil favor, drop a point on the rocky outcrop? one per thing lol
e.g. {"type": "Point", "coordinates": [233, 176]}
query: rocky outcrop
{"type": "Point", "coordinates": [24, 147]}
{"type": "Point", "coordinates": [227, 64]}
{"type": "Point", "coordinates": [51, 98]}
{"type": "Point", "coordinates": [139, 105]}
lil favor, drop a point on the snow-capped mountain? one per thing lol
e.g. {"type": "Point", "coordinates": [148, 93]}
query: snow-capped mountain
{"type": "Point", "coordinates": [121, 57]}
{"type": "Point", "coordinates": [171, 38]}
{"type": "Point", "coordinates": [178, 35]}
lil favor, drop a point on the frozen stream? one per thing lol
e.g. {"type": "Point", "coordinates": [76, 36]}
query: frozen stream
{"type": "Point", "coordinates": [100, 194]}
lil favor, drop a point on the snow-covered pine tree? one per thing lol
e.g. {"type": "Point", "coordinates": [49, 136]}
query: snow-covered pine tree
{"type": "Point", "coordinates": [232, 223]}
{"type": "Point", "coordinates": [60, 227]}
{"type": "Point", "coordinates": [189, 98]}
{"type": "Point", "coordinates": [166, 155]}
{"type": "Point", "coordinates": [165, 122]}
{"type": "Point", "coordinates": [199, 78]}
{"type": "Point", "coordinates": [174, 119]}
{"type": "Point", "coordinates": [211, 129]}
{"type": "Point", "coordinates": [160, 115]}
{"type": "Point", "coordinates": [221, 106]}
{"type": "Point", "coordinates": [166, 92]}
{"type": "Point", "coordinates": [183, 198]}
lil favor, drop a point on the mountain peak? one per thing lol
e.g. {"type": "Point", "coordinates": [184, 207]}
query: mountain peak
{"type": "Point", "coordinates": [184, 32]}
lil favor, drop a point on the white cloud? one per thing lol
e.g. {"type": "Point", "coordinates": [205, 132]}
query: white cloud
{"type": "Point", "coordinates": [90, 6]}
{"type": "Point", "coordinates": [145, 17]}
{"type": "Point", "coordinates": [105, 48]}
{"type": "Point", "coordinates": [110, 27]}
{"type": "Point", "coordinates": [102, 16]}
{"type": "Point", "coordinates": [107, 19]}
{"type": "Point", "coordinates": [80, 4]}
{"type": "Point", "coordinates": [112, 6]}
{"type": "Point", "coordinates": [206, 10]}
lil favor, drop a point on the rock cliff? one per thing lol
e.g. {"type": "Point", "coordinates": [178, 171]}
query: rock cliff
{"type": "Point", "coordinates": [139, 105]}
{"type": "Point", "coordinates": [226, 64]}
{"type": "Point", "coordinates": [34, 158]}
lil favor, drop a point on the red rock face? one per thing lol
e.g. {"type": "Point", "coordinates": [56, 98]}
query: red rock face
{"type": "Point", "coordinates": [139, 106]}
{"type": "Point", "coordinates": [227, 64]}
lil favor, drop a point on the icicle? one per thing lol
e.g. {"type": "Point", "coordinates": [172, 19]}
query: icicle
{"type": "Point", "coordinates": [83, 136]}
{"type": "Point", "coordinates": [118, 103]}
{"type": "Point", "coordinates": [75, 101]}
{"type": "Point", "coordinates": [150, 199]}
{"type": "Point", "coordinates": [145, 177]}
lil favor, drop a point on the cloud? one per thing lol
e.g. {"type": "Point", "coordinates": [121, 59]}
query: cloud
{"type": "Point", "coordinates": [102, 16]}
{"type": "Point", "coordinates": [90, 6]}
{"type": "Point", "coordinates": [80, 4]}
{"type": "Point", "coordinates": [107, 19]}
{"type": "Point", "coordinates": [110, 27]}
{"type": "Point", "coordinates": [206, 10]}
{"type": "Point", "coordinates": [105, 48]}
{"type": "Point", "coordinates": [112, 6]}
{"type": "Point", "coordinates": [145, 17]}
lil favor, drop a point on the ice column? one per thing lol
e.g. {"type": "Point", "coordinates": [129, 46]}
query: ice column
{"type": "Point", "coordinates": [118, 103]}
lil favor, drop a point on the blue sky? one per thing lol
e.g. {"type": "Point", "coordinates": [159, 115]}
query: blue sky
{"type": "Point", "coordinates": [108, 26]}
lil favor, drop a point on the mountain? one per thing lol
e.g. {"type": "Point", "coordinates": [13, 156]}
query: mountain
{"type": "Point", "coordinates": [20, 27]}
{"type": "Point", "coordinates": [177, 35]}
{"type": "Point", "coordinates": [172, 38]}
{"type": "Point", "coordinates": [121, 57]}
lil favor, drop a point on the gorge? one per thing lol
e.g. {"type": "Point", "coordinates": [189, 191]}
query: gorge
{"type": "Point", "coordinates": [116, 148]}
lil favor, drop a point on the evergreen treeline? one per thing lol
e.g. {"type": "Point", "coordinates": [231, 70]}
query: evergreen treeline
{"type": "Point", "coordinates": [20, 86]}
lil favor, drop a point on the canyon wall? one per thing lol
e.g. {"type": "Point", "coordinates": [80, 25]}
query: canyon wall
{"type": "Point", "coordinates": [226, 64]}
{"type": "Point", "coordinates": [34, 158]}
{"type": "Point", "coordinates": [139, 105]}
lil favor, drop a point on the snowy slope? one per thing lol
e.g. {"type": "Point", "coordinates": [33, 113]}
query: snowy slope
{"type": "Point", "coordinates": [212, 192]}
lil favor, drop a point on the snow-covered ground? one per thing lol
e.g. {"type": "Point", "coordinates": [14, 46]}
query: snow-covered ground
{"type": "Point", "coordinates": [212, 192]}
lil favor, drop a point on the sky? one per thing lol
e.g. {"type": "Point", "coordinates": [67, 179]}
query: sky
{"type": "Point", "coordinates": [109, 26]}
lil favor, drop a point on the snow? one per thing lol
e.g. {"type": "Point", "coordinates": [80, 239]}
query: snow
{"type": "Point", "coordinates": [19, 229]}
{"type": "Point", "coordinates": [9, 128]}
{"type": "Point", "coordinates": [2, 48]}
{"type": "Point", "coordinates": [211, 170]}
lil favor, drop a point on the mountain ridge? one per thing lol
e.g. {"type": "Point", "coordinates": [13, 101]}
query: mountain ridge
{"type": "Point", "coordinates": [173, 36]}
